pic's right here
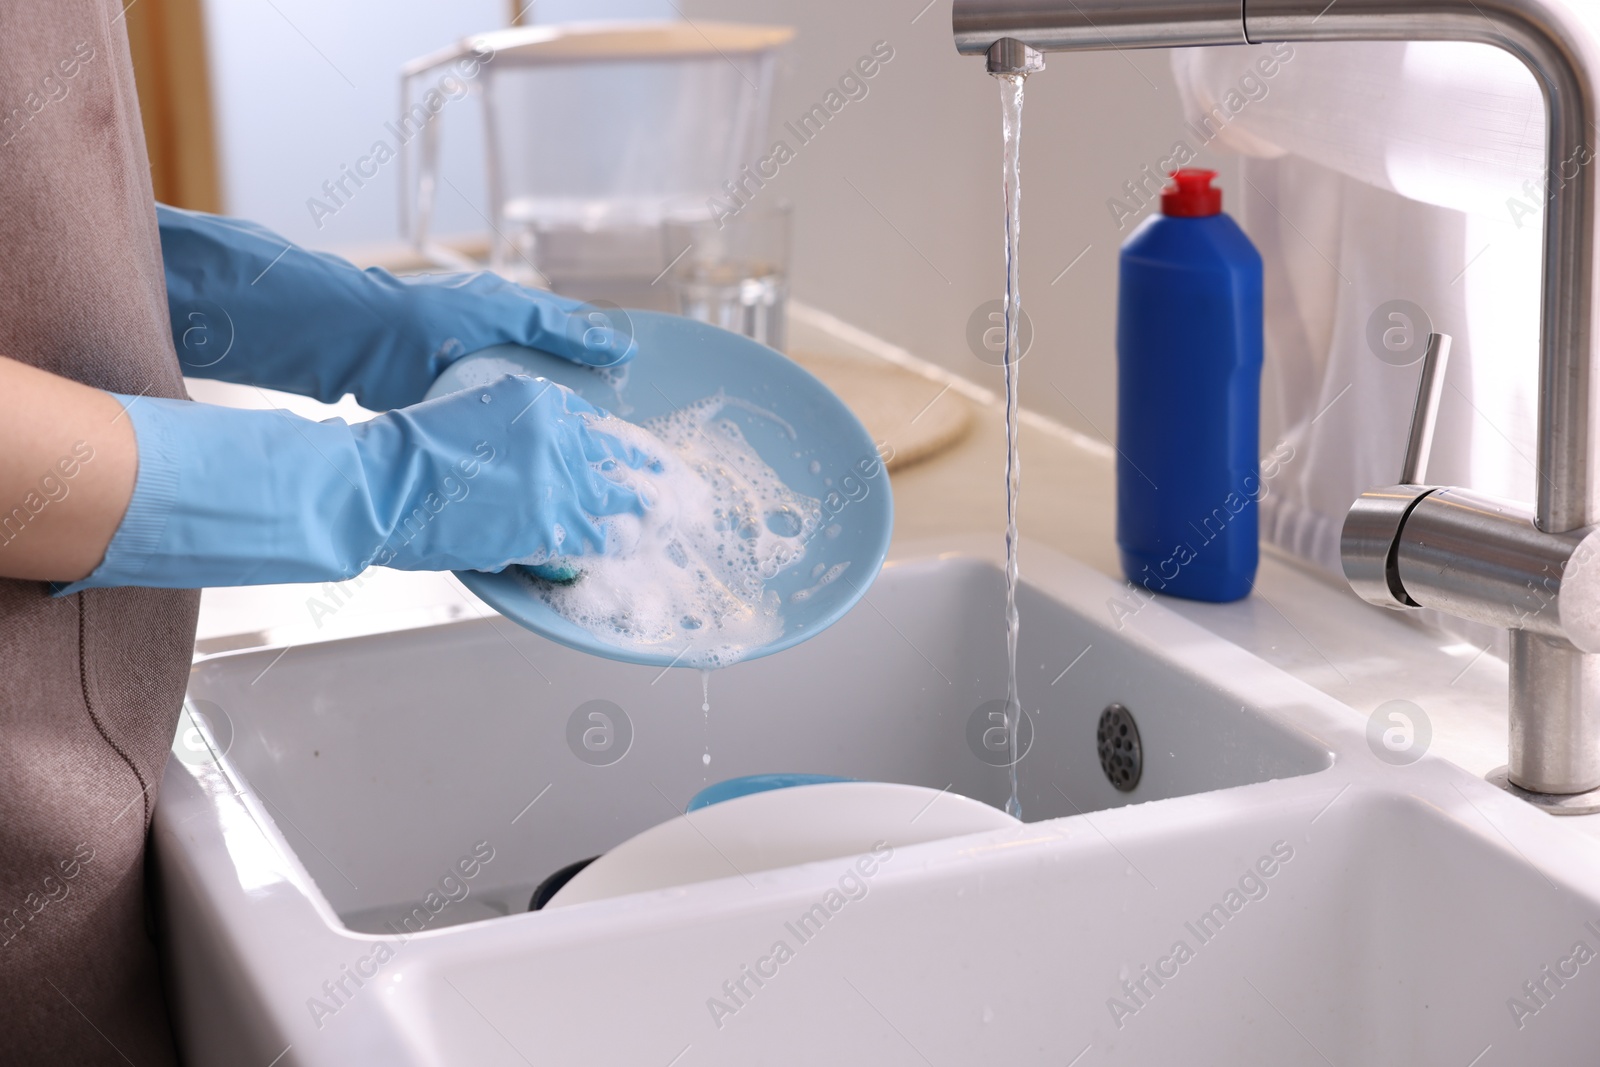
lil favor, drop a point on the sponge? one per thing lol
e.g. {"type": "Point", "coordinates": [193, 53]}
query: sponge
{"type": "Point", "coordinates": [557, 571]}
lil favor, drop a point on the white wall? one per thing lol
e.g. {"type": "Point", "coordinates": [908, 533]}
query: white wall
{"type": "Point", "coordinates": [304, 86]}
{"type": "Point", "coordinates": [923, 148]}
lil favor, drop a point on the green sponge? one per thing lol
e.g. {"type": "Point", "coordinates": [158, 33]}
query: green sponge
{"type": "Point", "coordinates": [557, 571]}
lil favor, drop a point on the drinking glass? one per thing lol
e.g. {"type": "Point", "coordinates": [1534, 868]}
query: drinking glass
{"type": "Point", "coordinates": [730, 266]}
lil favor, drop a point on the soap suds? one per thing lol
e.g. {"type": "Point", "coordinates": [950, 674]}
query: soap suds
{"type": "Point", "coordinates": [687, 579]}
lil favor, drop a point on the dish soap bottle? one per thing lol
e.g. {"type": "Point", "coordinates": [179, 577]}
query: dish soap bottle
{"type": "Point", "coordinates": [1189, 398]}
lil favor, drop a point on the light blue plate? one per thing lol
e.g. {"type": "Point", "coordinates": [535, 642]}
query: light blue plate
{"type": "Point", "coordinates": [680, 361]}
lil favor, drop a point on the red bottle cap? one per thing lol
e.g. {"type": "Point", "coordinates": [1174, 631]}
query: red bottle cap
{"type": "Point", "coordinates": [1192, 196]}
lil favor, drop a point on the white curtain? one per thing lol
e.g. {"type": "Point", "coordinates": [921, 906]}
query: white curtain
{"type": "Point", "coordinates": [1375, 173]}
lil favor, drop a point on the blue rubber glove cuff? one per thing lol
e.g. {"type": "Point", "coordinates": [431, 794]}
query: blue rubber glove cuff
{"type": "Point", "coordinates": [232, 497]}
{"type": "Point", "coordinates": [155, 491]}
{"type": "Point", "coordinates": [249, 307]}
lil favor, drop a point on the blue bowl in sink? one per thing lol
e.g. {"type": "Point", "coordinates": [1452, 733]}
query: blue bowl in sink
{"type": "Point", "coordinates": [815, 444]}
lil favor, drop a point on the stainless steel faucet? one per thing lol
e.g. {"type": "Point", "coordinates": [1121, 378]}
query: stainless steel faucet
{"type": "Point", "coordinates": [1535, 572]}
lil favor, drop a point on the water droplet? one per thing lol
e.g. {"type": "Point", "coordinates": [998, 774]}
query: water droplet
{"type": "Point", "coordinates": [706, 759]}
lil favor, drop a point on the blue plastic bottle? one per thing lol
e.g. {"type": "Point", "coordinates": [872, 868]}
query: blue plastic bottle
{"type": "Point", "coordinates": [1189, 398]}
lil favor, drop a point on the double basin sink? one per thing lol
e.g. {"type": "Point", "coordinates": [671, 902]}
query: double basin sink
{"type": "Point", "coordinates": [349, 840]}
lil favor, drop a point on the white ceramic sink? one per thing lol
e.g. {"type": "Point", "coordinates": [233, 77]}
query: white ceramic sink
{"type": "Point", "coordinates": [1404, 907]}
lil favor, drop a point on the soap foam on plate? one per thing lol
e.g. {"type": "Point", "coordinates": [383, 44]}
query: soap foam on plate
{"type": "Point", "coordinates": [689, 576]}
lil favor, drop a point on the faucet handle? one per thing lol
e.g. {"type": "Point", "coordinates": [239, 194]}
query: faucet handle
{"type": "Point", "coordinates": [1430, 387]}
{"type": "Point", "coordinates": [1370, 540]}
{"type": "Point", "coordinates": [1369, 543]}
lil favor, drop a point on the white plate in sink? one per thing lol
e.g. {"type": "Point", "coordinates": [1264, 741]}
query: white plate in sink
{"type": "Point", "coordinates": [779, 828]}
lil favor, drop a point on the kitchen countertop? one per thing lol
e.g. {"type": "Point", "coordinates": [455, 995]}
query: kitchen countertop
{"type": "Point", "coordinates": [1299, 619]}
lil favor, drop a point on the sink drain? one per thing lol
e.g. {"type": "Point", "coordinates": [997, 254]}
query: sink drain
{"type": "Point", "coordinates": [1121, 755]}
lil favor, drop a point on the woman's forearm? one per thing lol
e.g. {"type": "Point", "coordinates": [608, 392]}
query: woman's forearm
{"type": "Point", "coordinates": [68, 460]}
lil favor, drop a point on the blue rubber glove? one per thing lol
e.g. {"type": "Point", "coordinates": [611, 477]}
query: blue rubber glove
{"type": "Point", "coordinates": [475, 480]}
{"type": "Point", "coordinates": [249, 307]}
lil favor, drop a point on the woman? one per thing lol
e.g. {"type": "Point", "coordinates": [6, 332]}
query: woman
{"type": "Point", "coordinates": [119, 498]}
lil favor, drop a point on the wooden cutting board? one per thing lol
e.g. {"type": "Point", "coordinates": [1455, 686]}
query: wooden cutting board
{"type": "Point", "coordinates": [917, 417]}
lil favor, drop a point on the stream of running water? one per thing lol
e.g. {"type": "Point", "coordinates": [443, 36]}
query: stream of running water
{"type": "Point", "coordinates": [1011, 110]}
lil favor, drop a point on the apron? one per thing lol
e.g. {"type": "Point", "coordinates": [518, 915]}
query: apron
{"type": "Point", "coordinates": [90, 685]}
